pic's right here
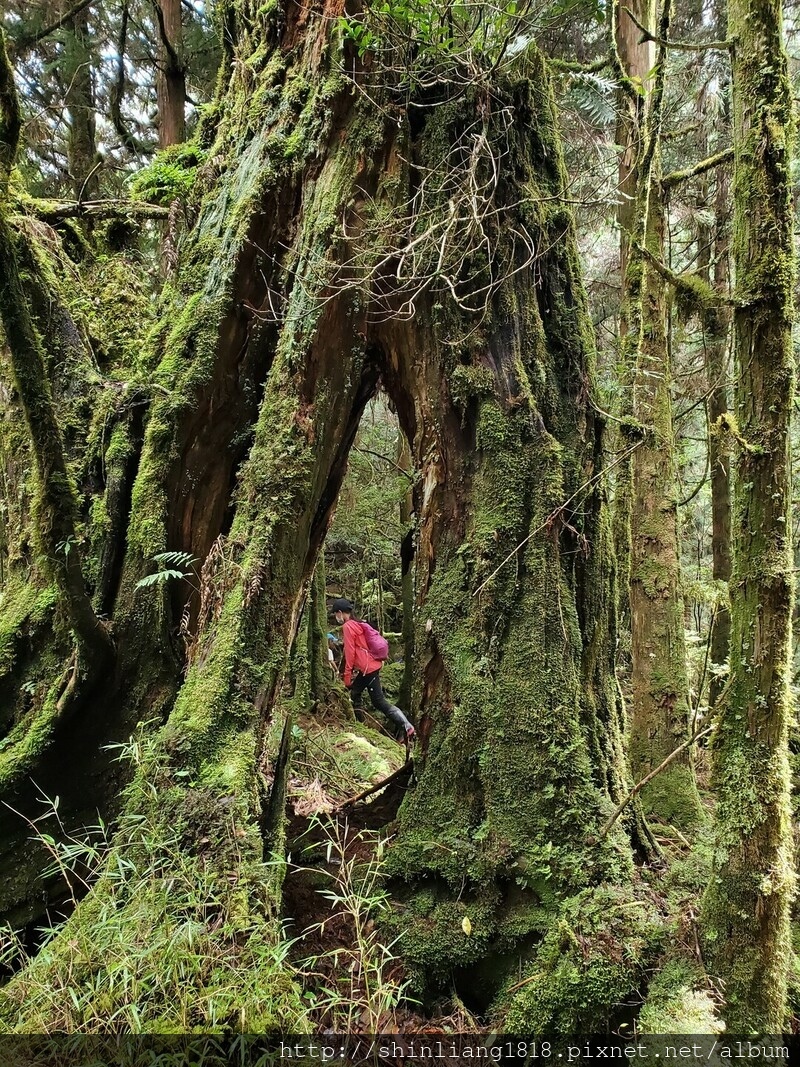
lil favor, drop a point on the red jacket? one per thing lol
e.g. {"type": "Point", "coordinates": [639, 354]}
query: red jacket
{"type": "Point", "coordinates": [356, 654]}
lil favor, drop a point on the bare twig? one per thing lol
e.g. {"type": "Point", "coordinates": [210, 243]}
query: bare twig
{"type": "Point", "coordinates": [680, 46]}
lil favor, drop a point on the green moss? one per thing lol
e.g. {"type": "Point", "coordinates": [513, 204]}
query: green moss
{"type": "Point", "coordinates": [591, 959]}
{"type": "Point", "coordinates": [17, 603]}
{"type": "Point", "coordinates": [170, 175]}
{"type": "Point", "coordinates": [678, 1002]}
{"type": "Point", "coordinates": [467, 383]}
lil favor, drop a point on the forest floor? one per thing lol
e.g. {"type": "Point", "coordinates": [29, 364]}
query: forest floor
{"type": "Point", "coordinates": [334, 894]}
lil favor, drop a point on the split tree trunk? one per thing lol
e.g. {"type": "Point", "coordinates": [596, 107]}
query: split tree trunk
{"type": "Point", "coordinates": [274, 329]}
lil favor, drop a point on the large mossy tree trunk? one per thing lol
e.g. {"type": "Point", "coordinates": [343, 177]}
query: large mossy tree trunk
{"type": "Point", "coordinates": [298, 294]}
{"type": "Point", "coordinates": [747, 908]}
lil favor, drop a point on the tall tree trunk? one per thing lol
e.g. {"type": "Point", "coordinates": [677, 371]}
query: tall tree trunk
{"type": "Point", "coordinates": [660, 691]}
{"type": "Point", "coordinates": [637, 59]}
{"type": "Point", "coordinates": [746, 909]}
{"type": "Point", "coordinates": [659, 716]}
{"type": "Point", "coordinates": [171, 74]}
{"type": "Point", "coordinates": [78, 78]}
{"type": "Point", "coordinates": [716, 330]}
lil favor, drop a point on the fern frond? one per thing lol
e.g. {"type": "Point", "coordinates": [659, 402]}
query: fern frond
{"type": "Point", "coordinates": [159, 577]}
{"type": "Point", "coordinates": [176, 559]}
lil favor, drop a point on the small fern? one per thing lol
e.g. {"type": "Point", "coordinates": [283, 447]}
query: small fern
{"type": "Point", "coordinates": [159, 577]}
{"type": "Point", "coordinates": [175, 559]}
{"type": "Point", "coordinates": [594, 96]}
{"type": "Point", "coordinates": [170, 565]}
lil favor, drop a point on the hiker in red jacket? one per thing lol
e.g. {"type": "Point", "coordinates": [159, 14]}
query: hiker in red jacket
{"type": "Point", "coordinates": [363, 671]}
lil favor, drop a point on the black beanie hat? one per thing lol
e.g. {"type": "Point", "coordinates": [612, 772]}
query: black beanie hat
{"type": "Point", "coordinates": [342, 605]}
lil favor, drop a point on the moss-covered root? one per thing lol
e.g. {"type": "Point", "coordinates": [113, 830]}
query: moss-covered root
{"type": "Point", "coordinates": [592, 958]}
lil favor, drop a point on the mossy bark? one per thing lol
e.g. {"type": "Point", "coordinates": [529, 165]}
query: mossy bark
{"type": "Point", "coordinates": [660, 693]}
{"type": "Point", "coordinates": [56, 517]}
{"type": "Point", "coordinates": [320, 677]}
{"type": "Point", "coordinates": [713, 254]}
{"type": "Point", "coordinates": [746, 910]}
{"type": "Point", "coordinates": [267, 353]}
{"type": "Point", "coordinates": [637, 60]}
{"type": "Point", "coordinates": [62, 696]}
{"type": "Point", "coordinates": [716, 326]}
{"type": "Point", "coordinates": [659, 715]}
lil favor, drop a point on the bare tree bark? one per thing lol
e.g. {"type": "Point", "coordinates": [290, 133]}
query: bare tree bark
{"type": "Point", "coordinates": [171, 77]}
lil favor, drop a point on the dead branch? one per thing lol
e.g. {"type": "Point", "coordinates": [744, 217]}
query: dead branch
{"type": "Point", "coordinates": [380, 785]}
{"type": "Point", "coordinates": [649, 777]}
{"type": "Point", "coordinates": [680, 46]}
{"type": "Point", "coordinates": [53, 210]}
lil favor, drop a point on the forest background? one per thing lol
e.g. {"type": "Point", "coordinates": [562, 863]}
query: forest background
{"type": "Point", "coordinates": [482, 316]}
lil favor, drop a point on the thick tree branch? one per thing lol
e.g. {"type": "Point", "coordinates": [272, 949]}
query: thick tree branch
{"type": "Point", "coordinates": [28, 40]}
{"type": "Point", "coordinates": [696, 290]}
{"type": "Point", "coordinates": [680, 46]}
{"type": "Point", "coordinates": [677, 176]}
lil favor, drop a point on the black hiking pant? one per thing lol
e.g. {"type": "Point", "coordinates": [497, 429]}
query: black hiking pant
{"type": "Point", "coordinates": [372, 684]}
